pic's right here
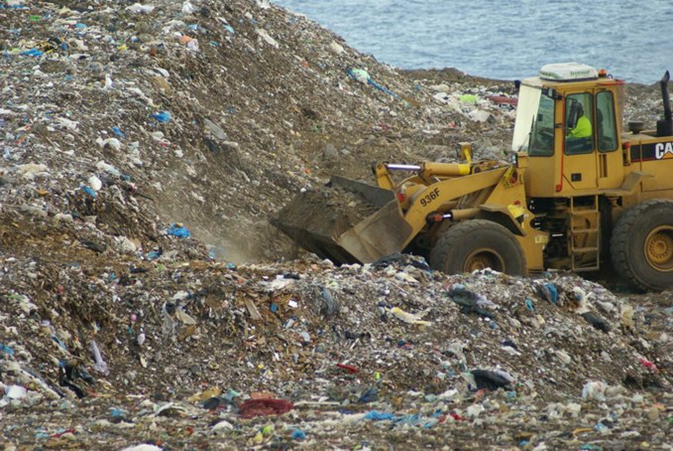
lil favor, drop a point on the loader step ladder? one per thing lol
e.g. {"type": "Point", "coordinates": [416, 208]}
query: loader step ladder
{"type": "Point", "coordinates": [584, 236]}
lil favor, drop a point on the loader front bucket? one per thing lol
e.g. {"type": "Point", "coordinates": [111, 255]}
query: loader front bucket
{"type": "Point", "coordinates": [346, 221]}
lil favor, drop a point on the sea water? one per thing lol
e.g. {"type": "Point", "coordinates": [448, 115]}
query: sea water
{"type": "Point", "coordinates": [505, 39]}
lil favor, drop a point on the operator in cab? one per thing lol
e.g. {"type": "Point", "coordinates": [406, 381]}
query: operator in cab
{"type": "Point", "coordinates": [582, 127]}
{"type": "Point", "coordinates": [579, 130]}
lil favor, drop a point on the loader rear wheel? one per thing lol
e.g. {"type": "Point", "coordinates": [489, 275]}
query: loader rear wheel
{"type": "Point", "coordinates": [478, 244]}
{"type": "Point", "coordinates": [642, 245]}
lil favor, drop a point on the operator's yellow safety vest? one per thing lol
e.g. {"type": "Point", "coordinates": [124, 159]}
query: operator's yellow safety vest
{"type": "Point", "coordinates": [582, 129]}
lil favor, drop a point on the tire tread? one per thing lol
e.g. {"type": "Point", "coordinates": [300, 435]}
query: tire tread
{"type": "Point", "coordinates": [620, 240]}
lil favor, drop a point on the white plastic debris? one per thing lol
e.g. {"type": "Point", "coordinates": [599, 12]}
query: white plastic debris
{"type": "Point", "coordinates": [95, 183]}
{"type": "Point", "coordinates": [103, 166]}
{"type": "Point", "coordinates": [474, 410]}
{"type": "Point", "coordinates": [100, 365]}
{"type": "Point", "coordinates": [409, 318]}
{"type": "Point", "coordinates": [361, 75]}
{"type": "Point", "coordinates": [215, 129]}
{"type": "Point", "coordinates": [479, 115]}
{"type": "Point", "coordinates": [188, 8]}
{"type": "Point", "coordinates": [124, 245]}
{"type": "Point", "coordinates": [594, 390]}
{"type": "Point", "coordinates": [138, 8]}
{"type": "Point", "coordinates": [222, 427]}
{"type": "Point", "coordinates": [193, 45]}
{"type": "Point", "coordinates": [143, 447]}
{"type": "Point", "coordinates": [110, 143]}
{"type": "Point", "coordinates": [267, 38]}
{"type": "Point", "coordinates": [31, 170]}
{"type": "Point", "coordinates": [336, 48]}
{"type": "Point", "coordinates": [66, 123]}
{"type": "Point", "coordinates": [15, 392]}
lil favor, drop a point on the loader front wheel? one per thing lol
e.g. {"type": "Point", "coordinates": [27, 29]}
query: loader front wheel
{"type": "Point", "coordinates": [642, 245]}
{"type": "Point", "coordinates": [478, 244]}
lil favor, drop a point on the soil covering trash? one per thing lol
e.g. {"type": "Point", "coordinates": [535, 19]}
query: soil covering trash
{"type": "Point", "coordinates": [147, 302]}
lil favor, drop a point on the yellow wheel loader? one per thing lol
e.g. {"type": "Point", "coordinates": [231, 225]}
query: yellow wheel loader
{"type": "Point", "coordinates": [580, 192]}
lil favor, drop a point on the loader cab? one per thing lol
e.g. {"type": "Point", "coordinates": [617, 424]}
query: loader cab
{"type": "Point", "coordinates": [567, 132]}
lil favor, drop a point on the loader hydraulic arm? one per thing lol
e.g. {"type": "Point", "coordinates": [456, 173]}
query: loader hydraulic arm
{"type": "Point", "coordinates": [425, 171]}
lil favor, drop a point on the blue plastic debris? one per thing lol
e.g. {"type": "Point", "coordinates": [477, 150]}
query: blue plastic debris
{"type": "Point", "coordinates": [430, 423]}
{"type": "Point", "coordinates": [600, 426]}
{"type": "Point", "coordinates": [554, 292]}
{"type": "Point", "coordinates": [89, 191]}
{"type": "Point", "coordinates": [411, 419]}
{"type": "Point", "coordinates": [162, 116]}
{"type": "Point", "coordinates": [116, 412]}
{"type": "Point", "coordinates": [6, 349]}
{"type": "Point", "coordinates": [529, 304]}
{"type": "Point", "coordinates": [359, 74]}
{"type": "Point", "coordinates": [118, 132]}
{"type": "Point", "coordinates": [274, 308]}
{"type": "Point", "coordinates": [368, 396]}
{"type": "Point", "coordinates": [152, 255]}
{"type": "Point", "coordinates": [60, 342]}
{"type": "Point", "coordinates": [298, 434]}
{"type": "Point", "coordinates": [229, 397]}
{"type": "Point", "coordinates": [32, 52]}
{"type": "Point", "coordinates": [375, 415]}
{"type": "Point", "coordinates": [178, 231]}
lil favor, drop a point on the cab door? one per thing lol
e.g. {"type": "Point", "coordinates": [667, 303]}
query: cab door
{"type": "Point", "coordinates": [580, 165]}
{"type": "Point", "coordinates": [610, 163]}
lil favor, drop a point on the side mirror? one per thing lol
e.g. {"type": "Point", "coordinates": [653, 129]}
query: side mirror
{"type": "Point", "coordinates": [550, 92]}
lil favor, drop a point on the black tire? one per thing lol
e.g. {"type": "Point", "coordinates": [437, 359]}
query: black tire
{"type": "Point", "coordinates": [477, 244]}
{"type": "Point", "coordinates": [642, 245]}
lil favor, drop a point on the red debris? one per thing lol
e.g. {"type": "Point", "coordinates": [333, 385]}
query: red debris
{"type": "Point", "coordinates": [649, 365]}
{"type": "Point", "coordinates": [500, 100]}
{"type": "Point", "coordinates": [350, 368]}
{"type": "Point", "coordinates": [61, 434]}
{"type": "Point", "coordinates": [263, 407]}
{"type": "Point", "coordinates": [456, 417]}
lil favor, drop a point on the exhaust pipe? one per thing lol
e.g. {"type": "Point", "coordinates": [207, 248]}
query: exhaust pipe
{"type": "Point", "coordinates": [665, 125]}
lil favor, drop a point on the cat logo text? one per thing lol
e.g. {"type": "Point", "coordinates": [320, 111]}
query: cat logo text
{"type": "Point", "coordinates": [663, 150]}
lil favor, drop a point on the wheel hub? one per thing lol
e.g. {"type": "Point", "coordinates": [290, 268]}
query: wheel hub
{"type": "Point", "coordinates": [659, 248]}
{"type": "Point", "coordinates": [482, 259]}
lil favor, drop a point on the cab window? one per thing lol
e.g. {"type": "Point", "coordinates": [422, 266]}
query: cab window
{"type": "Point", "coordinates": [606, 125]}
{"type": "Point", "coordinates": [542, 133]}
{"type": "Point", "coordinates": [579, 124]}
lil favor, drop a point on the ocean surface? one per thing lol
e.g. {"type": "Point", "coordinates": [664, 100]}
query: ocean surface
{"type": "Point", "coordinates": [505, 39]}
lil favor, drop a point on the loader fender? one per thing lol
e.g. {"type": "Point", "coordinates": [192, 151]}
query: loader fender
{"type": "Point", "coordinates": [502, 216]}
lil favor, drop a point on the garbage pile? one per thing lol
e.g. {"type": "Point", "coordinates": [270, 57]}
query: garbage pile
{"type": "Point", "coordinates": [144, 148]}
{"type": "Point", "coordinates": [184, 354]}
{"type": "Point", "coordinates": [207, 114]}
